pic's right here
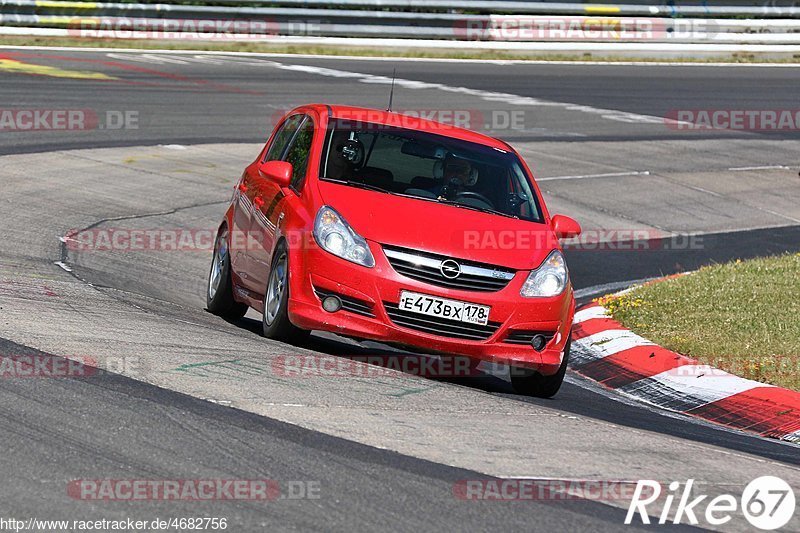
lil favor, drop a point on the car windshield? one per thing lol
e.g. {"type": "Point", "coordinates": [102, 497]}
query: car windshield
{"type": "Point", "coordinates": [428, 167]}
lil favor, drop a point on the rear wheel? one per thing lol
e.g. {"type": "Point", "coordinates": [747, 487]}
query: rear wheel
{"type": "Point", "coordinates": [219, 293]}
{"type": "Point", "coordinates": [531, 383]}
{"type": "Point", "coordinates": [275, 318]}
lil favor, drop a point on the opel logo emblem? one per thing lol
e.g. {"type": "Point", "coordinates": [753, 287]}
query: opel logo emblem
{"type": "Point", "coordinates": [450, 269]}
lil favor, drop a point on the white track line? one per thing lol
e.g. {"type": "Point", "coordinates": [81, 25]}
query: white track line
{"type": "Point", "coordinates": [576, 62]}
{"type": "Point", "coordinates": [604, 288]}
{"type": "Point", "coordinates": [706, 191]}
{"type": "Point", "coordinates": [767, 167]}
{"type": "Point", "coordinates": [488, 96]}
{"type": "Point", "coordinates": [591, 176]}
{"type": "Point", "coordinates": [63, 265]}
{"type": "Point", "coordinates": [781, 215]}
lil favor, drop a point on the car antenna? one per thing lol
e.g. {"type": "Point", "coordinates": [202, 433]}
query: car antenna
{"type": "Point", "coordinates": [391, 91]}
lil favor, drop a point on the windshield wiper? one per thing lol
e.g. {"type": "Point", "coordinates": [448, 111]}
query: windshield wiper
{"type": "Point", "coordinates": [476, 208]}
{"type": "Point", "coordinates": [359, 184]}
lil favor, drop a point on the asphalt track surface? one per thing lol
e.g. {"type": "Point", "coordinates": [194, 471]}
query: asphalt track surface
{"type": "Point", "coordinates": [239, 99]}
{"type": "Point", "coordinates": [111, 426]}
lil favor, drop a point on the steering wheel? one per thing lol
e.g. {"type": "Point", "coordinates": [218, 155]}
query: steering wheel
{"type": "Point", "coordinates": [475, 196]}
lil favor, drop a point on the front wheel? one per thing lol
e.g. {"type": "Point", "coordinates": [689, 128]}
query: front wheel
{"type": "Point", "coordinates": [219, 292]}
{"type": "Point", "coordinates": [531, 383]}
{"type": "Point", "coordinates": [275, 318]}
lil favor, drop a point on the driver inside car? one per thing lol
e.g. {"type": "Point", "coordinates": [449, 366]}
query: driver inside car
{"type": "Point", "coordinates": [456, 174]}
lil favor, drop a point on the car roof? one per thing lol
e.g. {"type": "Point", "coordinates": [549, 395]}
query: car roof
{"type": "Point", "coordinates": [393, 118]}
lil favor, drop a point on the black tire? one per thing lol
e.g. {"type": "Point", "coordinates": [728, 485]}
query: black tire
{"type": "Point", "coordinates": [275, 317]}
{"type": "Point", "coordinates": [531, 383]}
{"type": "Point", "coordinates": [219, 289]}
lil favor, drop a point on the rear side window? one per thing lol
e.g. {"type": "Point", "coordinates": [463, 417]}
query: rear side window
{"type": "Point", "coordinates": [299, 153]}
{"type": "Point", "coordinates": [283, 138]}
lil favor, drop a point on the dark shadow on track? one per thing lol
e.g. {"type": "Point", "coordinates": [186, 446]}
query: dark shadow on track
{"type": "Point", "coordinates": [629, 261]}
{"type": "Point", "coordinates": [582, 400]}
{"type": "Point", "coordinates": [108, 426]}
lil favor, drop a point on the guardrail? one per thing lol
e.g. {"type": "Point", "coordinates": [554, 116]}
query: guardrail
{"type": "Point", "coordinates": [766, 9]}
{"type": "Point", "coordinates": [496, 21]}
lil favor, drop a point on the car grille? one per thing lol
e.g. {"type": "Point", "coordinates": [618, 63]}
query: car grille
{"type": "Point", "coordinates": [521, 336]}
{"type": "Point", "coordinates": [439, 326]}
{"type": "Point", "coordinates": [353, 305]}
{"type": "Point", "coordinates": [426, 267]}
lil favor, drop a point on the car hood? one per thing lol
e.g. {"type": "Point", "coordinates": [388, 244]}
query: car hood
{"type": "Point", "coordinates": [441, 229]}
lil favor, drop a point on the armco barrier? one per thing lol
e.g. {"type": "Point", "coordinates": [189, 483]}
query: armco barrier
{"type": "Point", "coordinates": [766, 9]}
{"type": "Point", "coordinates": [773, 24]}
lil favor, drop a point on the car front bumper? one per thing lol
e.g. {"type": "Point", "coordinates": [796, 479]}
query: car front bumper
{"type": "Point", "coordinates": [369, 294]}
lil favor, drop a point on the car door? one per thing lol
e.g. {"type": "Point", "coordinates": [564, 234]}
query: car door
{"type": "Point", "coordinates": [268, 196]}
{"type": "Point", "coordinates": [248, 196]}
{"type": "Point", "coordinates": [241, 226]}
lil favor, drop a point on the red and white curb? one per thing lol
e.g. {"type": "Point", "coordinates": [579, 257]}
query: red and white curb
{"type": "Point", "coordinates": [607, 352]}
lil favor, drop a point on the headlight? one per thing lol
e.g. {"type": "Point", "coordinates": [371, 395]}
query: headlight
{"type": "Point", "coordinates": [550, 279]}
{"type": "Point", "coordinates": [336, 236]}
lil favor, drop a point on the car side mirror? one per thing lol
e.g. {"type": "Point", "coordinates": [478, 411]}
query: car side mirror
{"type": "Point", "coordinates": [278, 171]}
{"type": "Point", "coordinates": [565, 227]}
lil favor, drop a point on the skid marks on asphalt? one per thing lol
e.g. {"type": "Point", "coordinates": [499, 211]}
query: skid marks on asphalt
{"type": "Point", "coordinates": [18, 289]}
{"type": "Point", "coordinates": [273, 370]}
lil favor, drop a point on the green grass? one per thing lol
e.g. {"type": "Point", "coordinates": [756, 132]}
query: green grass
{"type": "Point", "coordinates": [276, 48]}
{"type": "Point", "coordinates": [742, 317]}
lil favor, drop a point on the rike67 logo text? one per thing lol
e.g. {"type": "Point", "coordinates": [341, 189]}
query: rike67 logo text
{"type": "Point", "coordinates": [767, 502]}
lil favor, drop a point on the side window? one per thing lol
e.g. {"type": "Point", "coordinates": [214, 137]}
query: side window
{"type": "Point", "coordinates": [283, 137]}
{"type": "Point", "coordinates": [299, 152]}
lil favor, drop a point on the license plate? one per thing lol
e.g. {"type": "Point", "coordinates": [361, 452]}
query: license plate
{"type": "Point", "coordinates": [444, 308]}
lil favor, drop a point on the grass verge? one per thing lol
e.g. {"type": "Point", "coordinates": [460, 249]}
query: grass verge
{"type": "Point", "coordinates": [742, 317]}
{"type": "Point", "coordinates": [342, 50]}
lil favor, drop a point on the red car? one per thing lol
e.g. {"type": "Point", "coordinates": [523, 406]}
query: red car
{"type": "Point", "coordinates": [378, 225]}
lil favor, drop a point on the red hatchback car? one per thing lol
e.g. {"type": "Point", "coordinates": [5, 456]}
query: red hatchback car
{"type": "Point", "coordinates": [378, 225]}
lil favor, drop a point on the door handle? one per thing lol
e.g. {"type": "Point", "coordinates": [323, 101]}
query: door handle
{"type": "Point", "coordinates": [258, 201]}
